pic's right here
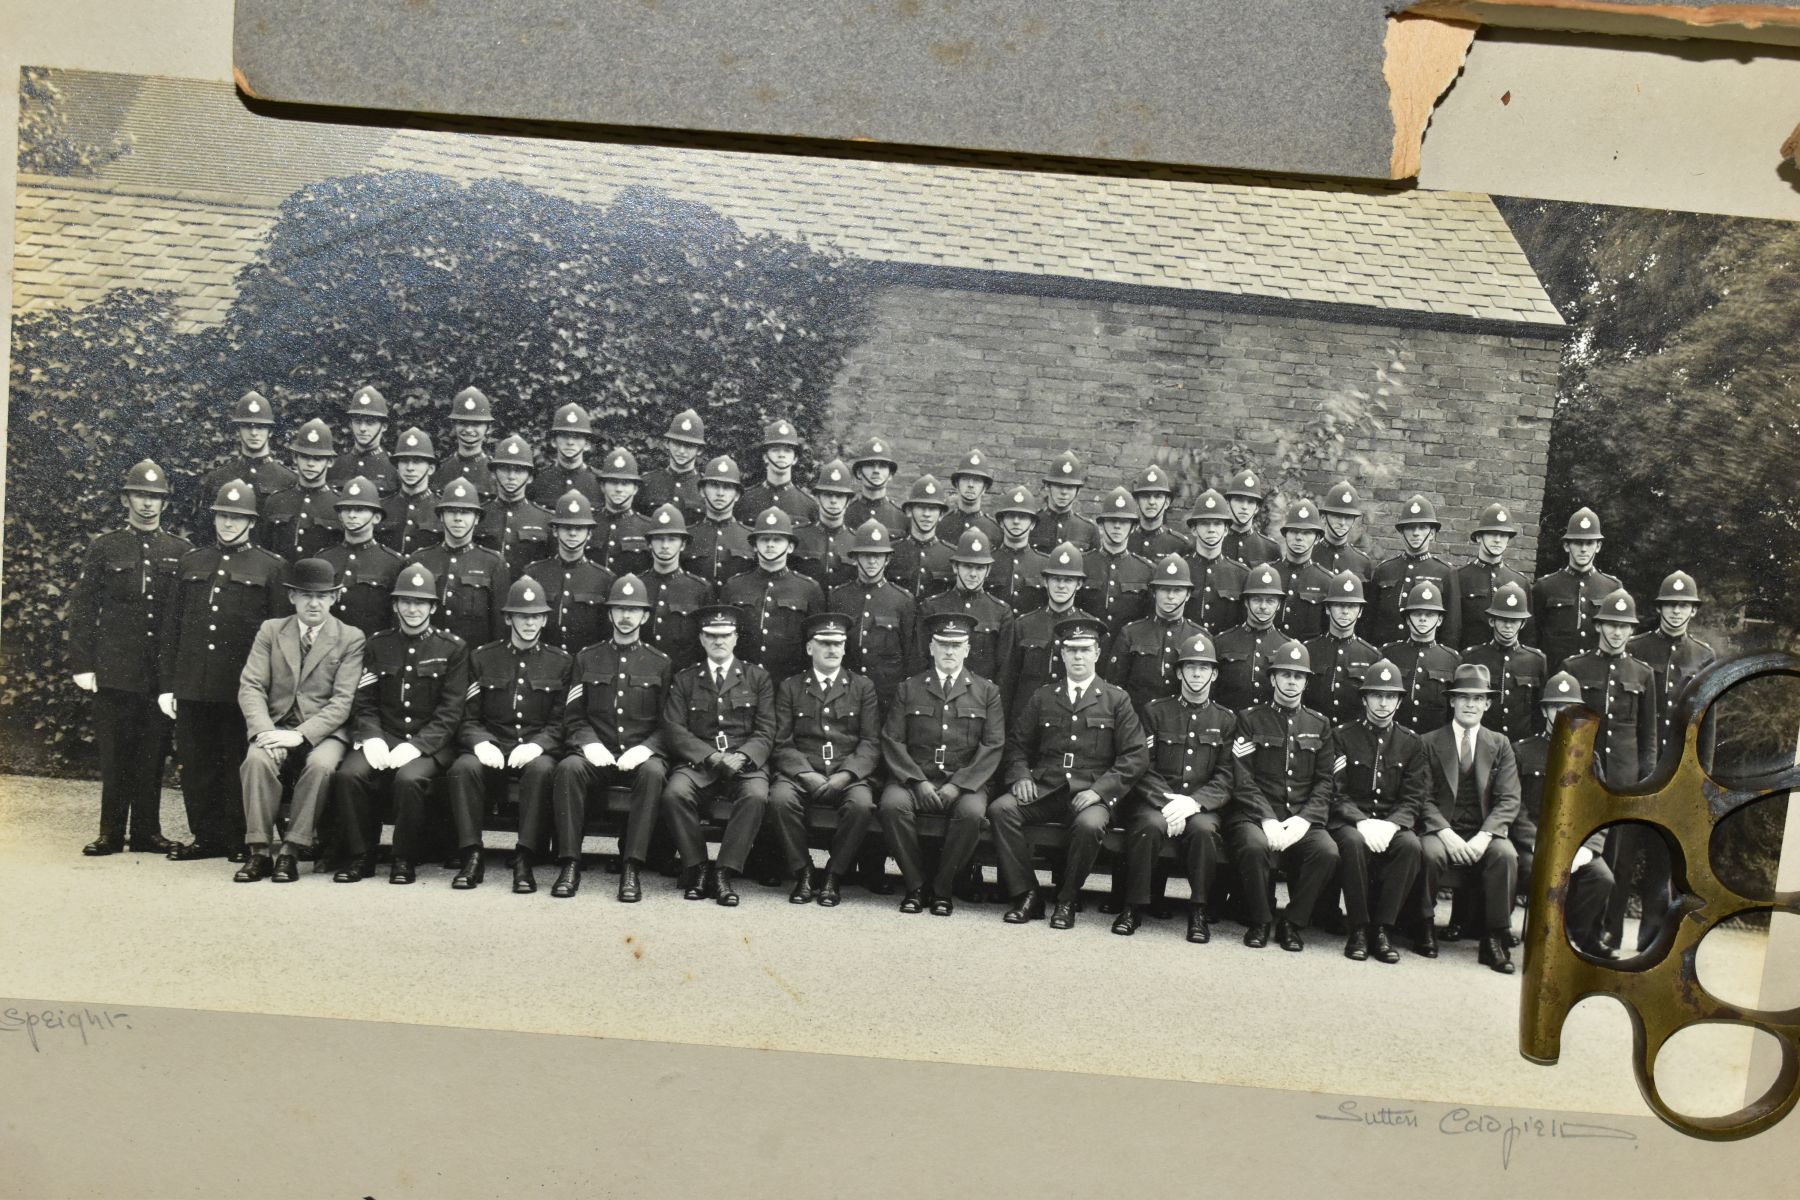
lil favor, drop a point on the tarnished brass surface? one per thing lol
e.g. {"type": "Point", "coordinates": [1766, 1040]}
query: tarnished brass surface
{"type": "Point", "coordinates": [1659, 987]}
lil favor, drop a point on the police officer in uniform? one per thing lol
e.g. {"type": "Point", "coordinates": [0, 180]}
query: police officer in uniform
{"type": "Point", "coordinates": [512, 725]}
{"type": "Point", "coordinates": [128, 578]}
{"type": "Point", "coordinates": [1308, 584]}
{"type": "Point", "coordinates": [1517, 671]}
{"type": "Point", "coordinates": [941, 742]}
{"type": "Point", "coordinates": [1058, 521]}
{"type": "Point", "coordinates": [253, 421]}
{"type": "Point", "coordinates": [781, 449]}
{"type": "Point", "coordinates": [1590, 879]}
{"type": "Point", "coordinates": [1339, 657]}
{"type": "Point", "coordinates": [367, 415]}
{"type": "Point", "coordinates": [1384, 786]}
{"type": "Point", "coordinates": [472, 580]}
{"type": "Point", "coordinates": [365, 569]}
{"type": "Point", "coordinates": [1017, 576]}
{"type": "Point", "coordinates": [511, 525]}
{"type": "Point", "coordinates": [1218, 599]}
{"type": "Point", "coordinates": [471, 416]}
{"type": "Point", "coordinates": [1243, 541]}
{"type": "Point", "coordinates": [1153, 537]}
{"type": "Point", "coordinates": [774, 603]}
{"type": "Point", "coordinates": [300, 521]}
{"type": "Point", "coordinates": [575, 586]}
{"type": "Point", "coordinates": [1674, 656]}
{"type": "Point", "coordinates": [1185, 791]}
{"type": "Point", "coordinates": [718, 544]}
{"type": "Point", "coordinates": [827, 746]}
{"type": "Point", "coordinates": [676, 596]}
{"type": "Point", "coordinates": [403, 725]}
{"type": "Point", "coordinates": [969, 483]}
{"type": "Point", "coordinates": [223, 593]}
{"type": "Point", "coordinates": [921, 562]}
{"type": "Point", "coordinates": [1564, 602]}
{"type": "Point", "coordinates": [612, 727]}
{"type": "Point", "coordinates": [874, 466]}
{"type": "Point", "coordinates": [409, 516]}
{"type": "Point", "coordinates": [679, 482]}
{"type": "Point", "coordinates": [822, 548]}
{"type": "Point", "coordinates": [1427, 665]}
{"type": "Point", "coordinates": [1146, 655]}
{"type": "Point", "coordinates": [882, 642]}
{"type": "Point", "coordinates": [619, 530]}
{"type": "Point", "coordinates": [1036, 657]}
{"type": "Point", "coordinates": [1481, 578]}
{"type": "Point", "coordinates": [1284, 765]}
{"type": "Point", "coordinates": [1385, 619]}
{"type": "Point", "coordinates": [1246, 650]}
{"type": "Point", "coordinates": [990, 636]}
{"type": "Point", "coordinates": [1118, 581]}
{"type": "Point", "coordinates": [1622, 689]}
{"type": "Point", "coordinates": [571, 434]}
{"type": "Point", "coordinates": [1075, 751]}
{"type": "Point", "coordinates": [719, 723]}
{"type": "Point", "coordinates": [1341, 509]}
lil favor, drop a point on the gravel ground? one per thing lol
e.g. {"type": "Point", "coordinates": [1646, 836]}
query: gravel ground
{"type": "Point", "coordinates": [861, 979]}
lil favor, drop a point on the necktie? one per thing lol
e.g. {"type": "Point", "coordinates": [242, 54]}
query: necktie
{"type": "Point", "coordinates": [1465, 750]}
{"type": "Point", "coordinates": [943, 683]}
{"type": "Point", "coordinates": [307, 635]}
{"type": "Point", "coordinates": [718, 677]}
{"type": "Point", "coordinates": [1075, 696]}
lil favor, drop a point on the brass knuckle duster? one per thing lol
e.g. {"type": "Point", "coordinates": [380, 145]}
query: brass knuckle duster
{"type": "Point", "coordinates": [1659, 987]}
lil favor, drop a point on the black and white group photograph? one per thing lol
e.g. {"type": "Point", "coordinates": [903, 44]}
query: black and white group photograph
{"type": "Point", "coordinates": [492, 575]}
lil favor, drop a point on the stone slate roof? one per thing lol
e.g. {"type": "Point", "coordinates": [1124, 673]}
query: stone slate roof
{"type": "Point", "coordinates": [1409, 251]}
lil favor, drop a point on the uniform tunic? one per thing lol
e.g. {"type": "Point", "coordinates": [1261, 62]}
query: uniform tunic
{"type": "Point", "coordinates": [1308, 589]}
{"type": "Point", "coordinates": [1217, 601]}
{"type": "Point", "coordinates": [477, 470]}
{"type": "Point", "coordinates": [264, 474]}
{"type": "Point", "coordinates": [1383, 622]}
{"type": "Point", "coordinates": [921, 568]}
{"type": "Point", "coordinates": [620, 542]}
{"type": "Point", "coordinates": [373, 465]}
{"type": "Point", "coordinates": [409, 522]}
{"type": "Point", "coordinates": [472, 584]}
{"type": "Point", "coordinates": [555, 481]}
{"type": "Point", "coordinates": [1250, 547]}
{"type": "Point", "coordinates": [1052, 529]}
{"type": "Point", "coordinates": [1117, 587]}
{"type": "Point", "coordinates": [1563, 604]}
{"type": "Point", "coordinates": [822, 554]}
{"type": "Point", "coordinates": [1428, 669]}
{"type": "Point", "coordinates": [785, 496]}
{"type": "Point", "coordinates": [1144, 655]}
{"type": "Point", "coordinates": [1477, 582]}
{"type": "Point", "coordinates": [576, 593]}
{"type": "Point", "coordinates": [1672, 662]}
{"type": "Point", "coordinates": [1517, 674]}
{"type": "Point", "coordinates": [1154, 543]}
{"type": "Point", "coordinates": [615, 700]}
{"type": "Point", "coordinates": [1017, 577]}
{"type": "Point", "coordinates": [676, 598]}
{"type": "Point", "coordinates": [663, 486]}
{"type": "Point", "coordinates": [517, 530]}
{"type": "Point", "coordinates": [1335, 686]}
{"type": "Point", "coordinates": [1035, 659]}
{"type": "Point", "coordinates": [825, 731]}
{"type": "Point", "coordinates": [1245, 654]}
{"type": "Point", "coordinates": [1342, 556]}
{"type": "Point", "coordinates": [1284, 764]}
{"type": "Point", "coordinates": [991, 638]}
{"type": "Point", "coordinates": [1622, 689]}
{"type": "Point", "coordinates": [514, 697]}
{"type": "Point", "coordinates": [300, 522]}
{"type": "Point", "coordinates": [717, 550]}
{"type": "Point", "coordinates": [774, 606]}
{"type": "Point", "coordinates": [950, 528]}
{"type": "Point", "coordinates": [366, 572]}
{"type": "Point", "coordinates": [862, 509]}
{"type": "Point", "coordinates": [883, 637]}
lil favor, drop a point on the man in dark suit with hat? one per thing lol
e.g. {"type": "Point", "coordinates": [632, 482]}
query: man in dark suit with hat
{"type": "Point", "coordinates": [941, 741]}
{"type": "Point", "coordinates": [298, 684]}
{"type": "Point", "coordinates": [827, 746]}
{"type": "Point", "coordinates": [1464, 828]}
{"type": "Point", "coordinates": [1075, 751]}
{"type": "Point", "coordinates": [719, 723]}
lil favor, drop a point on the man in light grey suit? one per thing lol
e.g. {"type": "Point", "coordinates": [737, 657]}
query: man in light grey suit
{"type": "Point", "coordinates": [295, 693]}
{"type": "Point", "coordinates": [1463, 830]}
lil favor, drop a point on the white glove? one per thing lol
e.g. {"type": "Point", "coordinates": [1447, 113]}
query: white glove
{"type": "Point", "coordinates": [86, 682]}
{"type": "Point", "coordinates": [166, 702]}
{"type": "Point", "coordinates": [1276, 832]}
{"type": "Point", "coordinates": [1297, 828]}
{"type": "Point", "coordinates": [1177, 827]}
{"type": "Point", "coordinates": [523, 753]}
{"type": "Point", "coordinates": [1583, 856]}
{"type": "Point", "coordinates": [1378, 834]}
{"type": "Point", "coordinates": [634, 758]}
{"type": "Point", "coordinates": [597, 754]}
{"type": "Point", "coordinates": [1177, 807]}
{"type": "Point", "coordinates": [488, 755]}
{"type": "Point", "coordinates": [376, 751]}
{"type": "Point", "coordinates": [402, 754]}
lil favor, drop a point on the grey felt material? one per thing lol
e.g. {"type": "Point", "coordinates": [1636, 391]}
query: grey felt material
{"type": "Point", "coordinates": [1269, 85]}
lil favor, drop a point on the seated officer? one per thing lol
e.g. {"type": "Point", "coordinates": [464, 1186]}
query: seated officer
{"type": "Point", "coordinates": [1339, 657]}
{"type": "Point", "coordinates": [403, 723]}
{"type": "Point", "coordinates": [612, 726]}
{"type": "Point", "coordinates": [1145, 654]}
{"type": "Point", "coordinates": [575, 586]}
{"type": "Point", "coordinates": [1517, 671]}
{"type": "Point", "coordinates": [1590, 879]}
{"type": "Point", "coordinates": [1464, 827]}
{"type": "Point", "coordinates": [1385, 784]}
{"type": "Point", "coordinates": [827, 732]}
{"type": "Point", "coordinates": [1283, 779]}
{"type": "Point", "coordinates": [295, 694]}
{"type": "Point", "coordinates": [1076, 748]}
{"type": "Point", "coordinates": [1183, 796]}
{"type": "Point", "coordinates": [1426, 664]}
{"type": "Point", "coordinates": [365, 568]}
{"type": "Point", "coordinates": [775, 600]}
{"type": "Point", "coordinates": [719, 725]}
{"type": "Point", "coordinates": [512, 722]}
{"type": "Point", "coordinates": [941, 741]}
{"type": "Point", "coordinates": [990, 619]}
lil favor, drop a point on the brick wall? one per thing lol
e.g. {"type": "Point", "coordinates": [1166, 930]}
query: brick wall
{"type": "Point", "coordinates": [1023, 377]}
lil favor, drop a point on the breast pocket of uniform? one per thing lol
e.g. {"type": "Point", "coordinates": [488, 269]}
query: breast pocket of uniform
{"type": "Point", "coordinates": [923, 728]}
{"type": "Point", "coordinates": [1435, 680]}
{"type": "Point", "coordinates": [1628, 700]}
{"type": "Point", "coordinates": [785, 617]}
{"type": "Point", "coordinates": [122, 581]}
{"type": "Point", "coordinates": [1306, 751]}
{"type": "Point", "coordinates": [243, 578]}
{"type": "Point", "coordinates": [1097, 734]}
{"type": "Point", "coordinates": [1561, 612]}
{"type": "Point", "coordinates": [1207, 746]}
{"type": "Point", "coordinates": [882, 641]}
{"type": "Point", "coordinates": [643, 697]}
{"type": "Point", "coordinates": [474, 579]}
{"type": "Point", "coordinates": [1172, 752]}
{"type": "Point", "coordinates": [1234, 662]}
{"type": "Point", "coordinates": [545, 692]}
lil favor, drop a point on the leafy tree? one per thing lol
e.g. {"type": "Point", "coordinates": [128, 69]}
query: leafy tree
{"type": "Point", "coordinates": [45, 145]}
